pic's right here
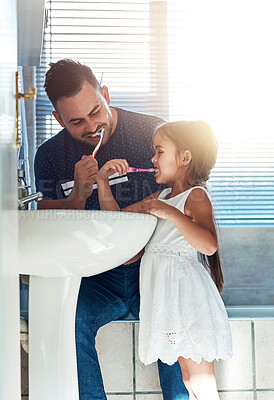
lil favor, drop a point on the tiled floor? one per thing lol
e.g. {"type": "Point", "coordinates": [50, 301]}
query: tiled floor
{"type": "Point", "coordinates": [149, 397]}
{"type": "Point", "coordinates": [265, 395]}
{"type": "Point", "coordinates": [125, 378]}
{"type": "Point", "coordinates": [236, 373]}
{"type": "Point", "coordinates": [147, 378]}
{"type": "Point", "coordinates": [114, 345]}
{"type": "Point", "coordinates": [237, 396]}
{"type": "Point", "coordinates": [264, 343]}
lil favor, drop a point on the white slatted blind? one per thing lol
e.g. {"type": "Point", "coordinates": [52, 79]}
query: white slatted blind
{"type": "Point", "coordinates": [123, 42]}
{"type": "Point", "coordinates": [183, 59]}
{"type": "Point", "coordinates": [221, 70]}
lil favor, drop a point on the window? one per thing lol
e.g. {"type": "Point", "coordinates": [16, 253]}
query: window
{"type": "Point", "coordinates": [123, 43]}
{"type": "Point", "coordinates": [183, 60]}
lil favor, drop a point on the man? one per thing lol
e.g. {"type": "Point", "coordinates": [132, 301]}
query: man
{"type": "Point", "coordinates": [66, 174]}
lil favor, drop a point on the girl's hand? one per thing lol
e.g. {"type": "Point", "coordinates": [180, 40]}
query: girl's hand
{"type": "Point", "coordinates": [112, 166]}
{"type": "Point", "coordinates": [157, 207]}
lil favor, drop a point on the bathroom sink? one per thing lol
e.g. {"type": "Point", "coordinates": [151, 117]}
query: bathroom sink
{"type": "Point", "coordinates": [58, 243]}
{"type": "Point", "coordinates": [57, 248]}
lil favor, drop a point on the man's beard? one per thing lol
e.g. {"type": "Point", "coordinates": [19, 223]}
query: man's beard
{"type": "Point", "coordinates": [107, 134]}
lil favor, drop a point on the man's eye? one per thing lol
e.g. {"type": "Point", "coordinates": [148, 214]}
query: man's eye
{"type": "Point", "coordinates": [95, 113]}
{"type": "Point", "coordinates": [77, 123]}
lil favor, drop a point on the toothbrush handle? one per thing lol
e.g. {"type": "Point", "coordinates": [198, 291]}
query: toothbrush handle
{"type": "Point", "coordinates": [99, 143]}
{"type": "Point", "coordinates": [132, 169]}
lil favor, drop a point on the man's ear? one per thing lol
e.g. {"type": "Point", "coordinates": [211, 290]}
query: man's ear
{"type": "Point", "coordinates": [58, 118]}
{"type": "Point", "coordinates": [105, 93]}
{"type": "Point", "coordinates": [186, 157]}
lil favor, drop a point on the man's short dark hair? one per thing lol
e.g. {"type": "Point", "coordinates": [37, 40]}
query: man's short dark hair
{"type": "Point", "coordinates": [65, 78]}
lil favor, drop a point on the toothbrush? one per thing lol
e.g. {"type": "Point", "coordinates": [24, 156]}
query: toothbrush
{"type": "Point", "coordinates": [101, 134]}
{"type": "Point", "coordinates": [133, 169]}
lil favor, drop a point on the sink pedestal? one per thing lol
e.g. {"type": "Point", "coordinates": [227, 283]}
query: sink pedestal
{"type": "Point", "coordinates": [57, 248]}
{"type": "Point", "coordinates": [52, 354]}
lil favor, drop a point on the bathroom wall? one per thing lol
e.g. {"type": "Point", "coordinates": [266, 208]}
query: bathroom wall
{"type": "Point", "coordinates": [248, 260]}
{"type": "Point", "coordinates": [247, 376]}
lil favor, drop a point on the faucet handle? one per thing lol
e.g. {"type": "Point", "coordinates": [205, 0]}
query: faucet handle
{"type": "Point", "coordinates": [28, 199]}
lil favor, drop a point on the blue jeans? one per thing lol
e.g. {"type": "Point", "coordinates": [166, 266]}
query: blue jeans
{"type": "Point", "coordinates": [102, 299]}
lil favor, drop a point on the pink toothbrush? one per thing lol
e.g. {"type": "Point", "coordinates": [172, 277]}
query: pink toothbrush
{"type": "Point", "coordinates": [133, 169]}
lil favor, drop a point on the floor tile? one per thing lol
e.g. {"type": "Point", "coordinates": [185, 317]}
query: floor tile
{"type": "Point", "coordinates": [265, 395]}
{"type": "Point", "coordinates": [236, 373]}
{"type": "Point", "coordinates": [237, 396]}
{"type": "Point", "coordinates": [114, 346]}
{"type": "Point", "coordinates": [264, 354]}
{"type": "Point", "coordinates": [149, 397]}
{"type": "Point", "coordinates": [147, 377]}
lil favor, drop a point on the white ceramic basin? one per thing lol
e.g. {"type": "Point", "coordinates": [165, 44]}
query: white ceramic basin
{"type": "Point", "coordinates": [56, 243]}
{"type": "Point", "coordinates": [57, 248]}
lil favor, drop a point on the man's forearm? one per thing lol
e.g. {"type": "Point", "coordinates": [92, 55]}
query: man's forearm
{"type": "Point", "coordinates": [72, 202]}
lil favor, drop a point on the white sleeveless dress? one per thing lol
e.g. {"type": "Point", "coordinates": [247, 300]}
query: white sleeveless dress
{"type": "Point", "coordinates": [182, 312]}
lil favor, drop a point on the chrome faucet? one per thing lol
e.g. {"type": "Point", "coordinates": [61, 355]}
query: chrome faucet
{"type": "Point", "coordinates": [28, 199]}
{"type": "Point", "coordinates": [24, 198]}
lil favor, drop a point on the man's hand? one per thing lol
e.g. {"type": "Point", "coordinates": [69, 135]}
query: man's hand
{"type": "Point", "coordinates": [85, 175]}
{"type": "Point", "coordinates": [112, 166]}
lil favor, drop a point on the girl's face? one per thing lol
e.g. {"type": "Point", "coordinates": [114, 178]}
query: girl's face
{"type": "Point", "coordinates": [166, 160]}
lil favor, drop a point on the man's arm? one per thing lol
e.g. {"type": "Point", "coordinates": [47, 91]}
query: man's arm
{"type": "Point", "coordinates": [85, 173]}
{"type": "Point", "coordinates": [72, 202]}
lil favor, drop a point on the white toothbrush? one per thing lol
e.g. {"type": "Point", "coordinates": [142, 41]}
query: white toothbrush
{"type": "Point", "coordinates": [101, 133]}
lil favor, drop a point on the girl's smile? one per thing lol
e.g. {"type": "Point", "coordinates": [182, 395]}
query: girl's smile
{"type": "Point", "coordinates": [157, 171]}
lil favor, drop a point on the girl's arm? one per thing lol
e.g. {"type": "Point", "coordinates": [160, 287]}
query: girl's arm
{"type": "Point", "coordinates": [196, 225]}
{"type": "Point", "coordinates": [106, 198]}
{"type": "Point", "coordinates": [138, 207]}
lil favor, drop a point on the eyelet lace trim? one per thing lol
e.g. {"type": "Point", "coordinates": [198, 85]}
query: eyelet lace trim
{"type": "Point", "coordinates": [169, 250]}
{"type": "Point", "coordinates": [168, 345]}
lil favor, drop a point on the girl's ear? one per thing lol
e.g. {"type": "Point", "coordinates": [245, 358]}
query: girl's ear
{"type": "Point", "coordinates": [186, 157]}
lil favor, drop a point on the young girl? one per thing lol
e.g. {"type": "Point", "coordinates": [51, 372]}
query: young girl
{"type": "Point", "coordinates": [182, 315]}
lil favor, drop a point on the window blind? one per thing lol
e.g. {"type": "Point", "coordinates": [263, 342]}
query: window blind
{"type": "Point", "coordinates": [182, 60]}
{"type": "Point", "coordinates": [123, 42]}
{"type": "Point", "coordinates": [220, 70]}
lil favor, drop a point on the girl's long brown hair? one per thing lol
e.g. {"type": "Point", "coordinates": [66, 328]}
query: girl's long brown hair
{"type": "Point", "coordinates": [199, 139]}
{"type": "Point", "coordinates": [214, 264]}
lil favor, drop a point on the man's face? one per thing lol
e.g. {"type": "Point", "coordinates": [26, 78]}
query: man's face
{"type": "Point", "coordinates": [85, 114]}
